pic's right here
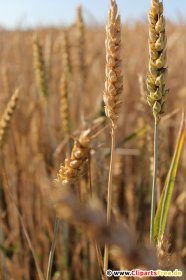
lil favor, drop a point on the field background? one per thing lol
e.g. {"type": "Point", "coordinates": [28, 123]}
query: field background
{"type": "Point", "coordinates": [29, 161]}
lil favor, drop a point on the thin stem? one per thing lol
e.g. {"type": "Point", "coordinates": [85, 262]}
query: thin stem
{"type": "Point", "coordinates": [100, 261]}
{"type": "Point", "coordinates": [109, 197]}
{"type": "Point", "coordinates": [97, 248]}
{"type": "Point", "coordinates": [51, 256]}
{"type": "Point", "coordinates": [154, 187]}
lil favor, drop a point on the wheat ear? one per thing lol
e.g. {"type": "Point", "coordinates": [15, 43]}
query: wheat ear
{"type": "Point", "coordinates": [40, 68]}
{"type": "Point", "coordinates": [113, 90]}
{"type": "Point", "coordinates": [65, 86]}
{"type": "Point", "coordinates": [80, 27]}
{"type": "Point", "coordinates": [156, 80]}
{"type": "Point", "coordinates": [64, 105]}
{"type": "Point", "coordinates": [80, 63]}
{"type": "Point", "coordinates": [67, 65]}
{"type": "Point", "coordinates": [73, 165]}
{"type": "Point", "coordinates": [156, 84]}
{"type": "Point", "coordinates": [7, 117]}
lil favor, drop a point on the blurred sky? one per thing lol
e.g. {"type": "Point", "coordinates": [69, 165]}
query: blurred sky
{"type": "Point", "coordinates": [26, 13]}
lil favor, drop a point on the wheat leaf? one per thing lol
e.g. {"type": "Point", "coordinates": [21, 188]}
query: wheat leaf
{"type": "Point", "coordinates": [166, 196]}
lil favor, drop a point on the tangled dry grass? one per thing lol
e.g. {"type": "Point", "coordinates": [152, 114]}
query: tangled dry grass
{"type": "Point", "coordinates": [56, 121]}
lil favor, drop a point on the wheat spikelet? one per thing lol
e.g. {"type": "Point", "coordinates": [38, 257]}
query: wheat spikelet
{"type": "Point", "coordinates": [79, 155]}
{"type": "Point", "coordinates": [7, 116]}
{"type": "Point", "coordinates": [114, 78]}
{"type": "Point", "coordinates": [40, 70]}
{"type": "Point", "coordinates": [64, 104]}
{"type": "Point", "coordinates": [156, 80]}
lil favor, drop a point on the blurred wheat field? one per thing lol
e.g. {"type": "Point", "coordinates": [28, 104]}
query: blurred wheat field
{"type": "Point", "coordinates": [36, 144]}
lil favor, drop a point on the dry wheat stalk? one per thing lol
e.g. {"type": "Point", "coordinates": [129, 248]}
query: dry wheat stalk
{"type": "Point", "coordinates": [40, 70]}
{"type": "Point", "coordinates": [156, 80]}
{"type": "Point", "coordinates": [112, 93]}
{"type": "Point", "coordinates": [7, 116]}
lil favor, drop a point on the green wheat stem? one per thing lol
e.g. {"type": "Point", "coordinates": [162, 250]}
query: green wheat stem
{"type": "Point", "coordinates": [154, 185]}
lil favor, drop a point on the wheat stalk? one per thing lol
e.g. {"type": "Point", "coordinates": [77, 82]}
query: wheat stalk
{"type": "Point", "coordinates": [66, 125]}
{"type": "Point", "coordinates": [113, 90]}
{"type": "Point", "coordinates": [156, 84]}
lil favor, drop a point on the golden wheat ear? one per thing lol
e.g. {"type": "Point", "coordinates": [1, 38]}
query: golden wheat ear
{"type": "Point", "coordinates": [71, 169]}
{"type": "Point", "coordinates": [7, 117]}
{"type": "Point", "coordinates": [113, 71]}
